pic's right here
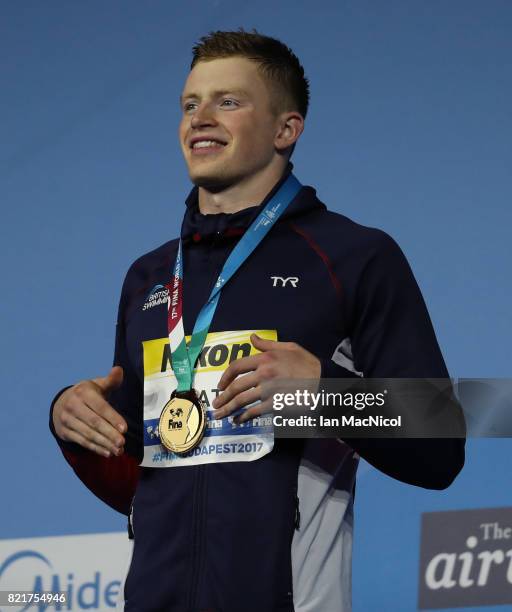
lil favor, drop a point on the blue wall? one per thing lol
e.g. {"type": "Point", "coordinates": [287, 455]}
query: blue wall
{"type": "Point", "coordinates": [409, 130]}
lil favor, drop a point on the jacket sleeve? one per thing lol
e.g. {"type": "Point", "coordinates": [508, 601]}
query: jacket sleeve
{"type": "Point", "coordinates": [112, 479]}
{"type": "Point", "coordinates": [392, 336]}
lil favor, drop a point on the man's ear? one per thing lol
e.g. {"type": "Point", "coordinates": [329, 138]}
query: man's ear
{"type": "Point", "coordinates": [291, 126]}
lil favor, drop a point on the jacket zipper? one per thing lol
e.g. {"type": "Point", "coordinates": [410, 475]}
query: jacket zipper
{"type": "Point", "coordinates": [198, 523]}
{"type": "Point", "coordinates": [197, 535]}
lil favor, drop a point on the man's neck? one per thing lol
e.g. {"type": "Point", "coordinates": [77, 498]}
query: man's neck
{"type": "Point", "coordinates": [249, 192]}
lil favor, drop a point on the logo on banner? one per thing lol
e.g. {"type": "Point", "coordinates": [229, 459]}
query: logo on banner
{"type": "Point", "coordinates": [466, 558]}
{"type": "Point", "coordinates": [90, 582]}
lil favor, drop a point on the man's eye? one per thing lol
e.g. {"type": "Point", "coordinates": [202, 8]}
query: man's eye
{"type": "Point", "coordinates": [231, 102]}
{"type": "Point", "coordinates": [188, 106]}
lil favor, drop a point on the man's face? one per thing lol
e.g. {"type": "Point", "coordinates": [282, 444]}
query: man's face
{"type": "Point", "coordinates": [227, 101]}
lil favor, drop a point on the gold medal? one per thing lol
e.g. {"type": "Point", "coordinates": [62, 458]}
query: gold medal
{"type": "Point", "coordinates": [182, 422]}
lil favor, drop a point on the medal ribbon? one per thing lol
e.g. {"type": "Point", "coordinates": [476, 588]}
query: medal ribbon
{"type": "Point", "coordinates": [183, 357]}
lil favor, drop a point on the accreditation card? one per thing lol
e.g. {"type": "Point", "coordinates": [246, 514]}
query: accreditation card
{"type": "Point", "coordinates": [223, 440]}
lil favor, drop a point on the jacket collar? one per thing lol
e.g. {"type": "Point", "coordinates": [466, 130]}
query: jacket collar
{"type": "Point", "coordinates": [197, 226]}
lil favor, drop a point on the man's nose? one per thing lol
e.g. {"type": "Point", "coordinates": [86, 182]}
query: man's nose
{"type": "Point", "coordinates": [203, 115]}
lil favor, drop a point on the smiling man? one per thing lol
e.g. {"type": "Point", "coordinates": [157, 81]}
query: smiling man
{"type": "Point", "coordinates": [236, 138]}
{"type": "Point", "coordinates": [264, 282]}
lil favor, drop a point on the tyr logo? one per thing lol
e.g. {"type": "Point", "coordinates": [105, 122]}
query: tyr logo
{"type": "Point", "coordinates": [279, 281]}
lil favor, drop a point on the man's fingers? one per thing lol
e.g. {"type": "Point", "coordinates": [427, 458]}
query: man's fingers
{"type": "Point", "coordinates": [241, 399]}
{"type": "Point", "coordinates": [242, 383]}
{"type": "Point", "coordinates": [88, 405]}
{"type": "Point", "coordinates": [99, 405]}
{"type": "Point", "coordinates": [112, 381]}
{"type": "Point", "coordinates": [99, 415]}
{"type": "Point", "coordinates": [246, 364]}
{"type": "Point", "coordinates": [262, 344]}
{"type": "Point", "coordinates": [254, 411]}
{"type": "Point", "coordinates": [78, 438]}
{"type": "Point", "coordinates": [94, 440]}
{"type": "Point", "coordinates": [239, 366]}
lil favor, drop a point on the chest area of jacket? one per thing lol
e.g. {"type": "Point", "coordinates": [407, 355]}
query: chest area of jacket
{"type": "Point", "coordinates": [289, 290]}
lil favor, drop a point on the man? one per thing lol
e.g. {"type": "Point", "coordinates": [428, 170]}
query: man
{"type": "Point", "coordinates": [240, 522]}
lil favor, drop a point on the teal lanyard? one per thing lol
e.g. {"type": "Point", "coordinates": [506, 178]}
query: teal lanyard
{"type": "Point", "coordinates": [183, 357]}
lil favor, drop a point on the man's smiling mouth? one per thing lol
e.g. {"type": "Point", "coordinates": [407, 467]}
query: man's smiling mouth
{"type": "Point", "coordinates": [203, 141]}
{"type": "Point", "coordinates": [208, 144]}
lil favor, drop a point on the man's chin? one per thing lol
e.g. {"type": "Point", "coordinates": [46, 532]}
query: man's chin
{"type": "Point", "coordinates": [211, 181]}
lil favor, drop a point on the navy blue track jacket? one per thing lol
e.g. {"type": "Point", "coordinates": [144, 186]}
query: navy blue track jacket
{"type": "Point", "coordinates": [226, 537]}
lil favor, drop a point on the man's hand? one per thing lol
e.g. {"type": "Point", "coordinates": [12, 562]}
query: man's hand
{"type": "Point", "coordinates": [277, 360]}
{"type": "Point", "coordinates": [82, 415]}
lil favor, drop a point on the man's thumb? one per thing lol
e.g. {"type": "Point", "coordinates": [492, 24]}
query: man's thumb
{"type": "Point", "coordinates": [112, 381]}
{"type": "Point", "coordinates": [262, 344]}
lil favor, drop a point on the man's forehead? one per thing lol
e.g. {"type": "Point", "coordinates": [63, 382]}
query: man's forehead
{"type": "Point", "coordinates": [234, 74]}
